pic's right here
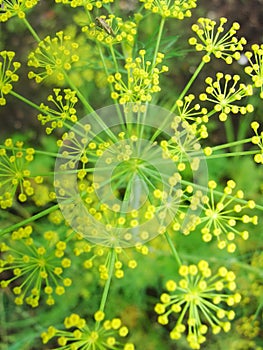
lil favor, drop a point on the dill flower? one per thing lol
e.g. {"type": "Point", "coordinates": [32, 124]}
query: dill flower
{"type": "Point", "coordinates": [15, 175]}
{"type": "Point", "coordinates": [199, 301]}
{"type": "Point", "coordinates": [257, 140]}
{"type": "Point", "coordinates": [87, 4]}
{"type": "Point", "coordinates": [101, 334]}
{"type": "Point", "coordinates": [222, 216]}
{"type": "Point", "coordinates": [96, 257]}
{"type": "Point", "coordinates": [225, 92]}
{"type": "Point", "coordinates": [8, 76]}
{"type": "Point", "coordinates": [214, 41]}
{"type": "Point", "coordinates": [16, 8]}
{"type": "Point", "coordinates": [142, 80]}
{"type": "Point", "coordinates": [248, 327]}
{"type": "Point", "coordinates": [65, 111]}
{"type": "Point", "coordinates": [53, 58]}
{"type": "Point", "coordinates": [122, 31]}
{"type": "Point", "coordinates": [35, 268]}
{"type": "Point", "coordinates": [255, 69]}
{"type": "Point", "coordinates": [165, 8]}
{"type": "Point", "coordinates": [187, 111]}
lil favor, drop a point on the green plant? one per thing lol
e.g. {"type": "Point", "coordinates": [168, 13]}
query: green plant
{"type": "Point", "coordinates": [136, 185]}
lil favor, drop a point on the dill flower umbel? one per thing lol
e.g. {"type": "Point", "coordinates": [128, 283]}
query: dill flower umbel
{"type": "Point", "coordinates": [214, 41]}
{"type": "Point", "coordinates": [199, 301]}
{"type": "Point", "coordinates": [255, 69]}
{"type": "Point", "coordinates": [165, 8]}
{"type": "Point", "coordinates": [8, 76]}
{"type": "Point", "coordinates": [221, 217]}
{"type": "Point", "coordinates": [53, 58]}
{"type": "Point", "coordinates": [122, 31]}
{"type": "Point", "coordinates": [101, 334]}
{"type": "Point", "coordinates": [15, 175]}
{"type": "Point", "coordinates": [64, 113]}
{"type": "Point", "coordinates": [225, 93]}
{"type": "Point", "coordinates": [257, 140]}
{"type": "Point", "coordinates": [87, 4]}
{"type": "Point", "coordinates": [16, 8]}
{"type": "Point", "coordinates": [32, 269]}
{"type": "Point", "coordinates": [142, 79]}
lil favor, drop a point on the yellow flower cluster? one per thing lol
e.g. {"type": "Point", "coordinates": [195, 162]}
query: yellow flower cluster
{"type": "Point", "coordinates": [257, 140]}
{"type": "Point", "coordinates": [196, 300]}
{"type": "Point", "coordinates": [214, 41]}
{"type": "Point", "coordinates": [64, 113]}
{"type": "Point", "coordinates": [107, 335]}
{"type": "Point", "coordinates": [16, 8]}
{"type": "Point", "coordinates": [142, 79]}
{"type": "Point", "coordinates": [221, 217]}
{"type": "Point", "coordinates": [225, 92]}
{"type": "Point", "coordinates": [8, 75]}
{"type": "Point", "coordinates": [120, 31]}
{"type": "Point", "coordinates": [166, 8]}
{"type": "Point", "coordinates": [15, 174]}
{"type": "Point", "coordinates": [53, 57]}
{"type": "Point", "coordinates": [36, 268]}
{"type": "Point", "coordinates": [87, 4]}
{"type": "Point", "coordinates": [255, 70]}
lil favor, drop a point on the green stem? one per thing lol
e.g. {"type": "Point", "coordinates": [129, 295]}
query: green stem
{"type": "Point", "coordinates": [158, 41]}
{"type": "Point", "coordinates": [32, 31]}
{"type": "Point", "coordinates": [230, 136]}
{"type": "Point", "coordinates": [107, 284]}
{"type": "Point", "coordinates": [189, 84]}
{"type": "Point", "coordinates": [29, 220]}
{"type": "Point", "coordinates": [28, 102]}
{"type": "Point", "coordinates": [173, 249]}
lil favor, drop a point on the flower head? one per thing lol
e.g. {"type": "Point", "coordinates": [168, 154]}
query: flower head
{"type": "Point", "coordinates": [257, 139]}
{"type": "Point", "coordinates": [16, 8]}
{"type": "Point", "coordinates": [15, 175]}
{"type": "Point", "coordinates": [142, 81]}
{"type": "Point", "coordinates": [214, 41]}
{"type": "Point", "coordinates": [8, 75]}
{"type": "Point", "coordinates": [255, 69]}
{"type": "Point", "coordinates": [36, 268]}
{"type": "Point", "coordinates": [198, 300]}
{"type": "Point", "coordinates": [64, 113]}
{"type": "Point", "coordinates": [87, 4]}
{"type": "Point", "coordinates": [121, 32]}
{"type": "Point", "coordinates": [53, 58]}
{"type": "Point", "coordinates": [221, 217]}
{"type": "Point", "coordinates": [165, 8]}
{"type": "Point", "coordinates": [101, 334]}
{"type": "Point", "coordinates": [225, 93]}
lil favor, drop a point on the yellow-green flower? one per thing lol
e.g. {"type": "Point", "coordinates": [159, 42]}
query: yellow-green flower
{"type": "Point", "coordinates": [225, 93]}
{"type": "Point", "coordinates": [142, 80]}
{"type": "Point", "coordinates": [221, 216]}
{"type": "Point", "coordinates": [15, 175]}
{"type": "Point", "coordinates": [122, 31]}
{"type": "Point", "coordinates": [166, 8]}
{"type": "Point", "coordinates": [8, 76]}
{"type": "Point", "coordinates": [36, 268]}
{"type": "Point", "coordinates": [53, 57]}
{"type": "Point", "coordinates": [63, 113]}
{"type": "Point", "coordinates": [199, 300]}
{"type": "Point", "coordinates": [97, 334]}
{"type": "Point", "coordinates": [257, 140]}
{"type": "Point", "coordinates": [16, 8]}
{"type": "Point", "coordinates": [214, 41]}
{"type": "Point", "coordinates": [87, 4]}
{"type": "Point", "coordinates": [255, 69]}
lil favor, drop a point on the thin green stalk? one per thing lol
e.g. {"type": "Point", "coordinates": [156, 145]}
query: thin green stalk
{"type": "Point", "coordinates": [107, 284]}
{"type": "Point", "coordinates": [188, 85]}
{"type": "Point", "coordinates": [158, 41]}
{"type": "Point", "coordinates": [31, 29]}
{"type": "Point", "coordinates": [29, 220]}
{"type": "Point", "coordinates": [28, 102]}
{"type": "Point", "coordinates": [173, 249]}
{"type": "Point", "coordinates": [230, 135]}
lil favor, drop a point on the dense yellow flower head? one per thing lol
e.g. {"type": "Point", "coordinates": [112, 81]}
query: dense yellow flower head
{"type": "Point", "coordinates": [176, 9]}
{"type": "Point", "coordinates": [12, 8]}
{"type": "Point", "coordinates": [255, 68]}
